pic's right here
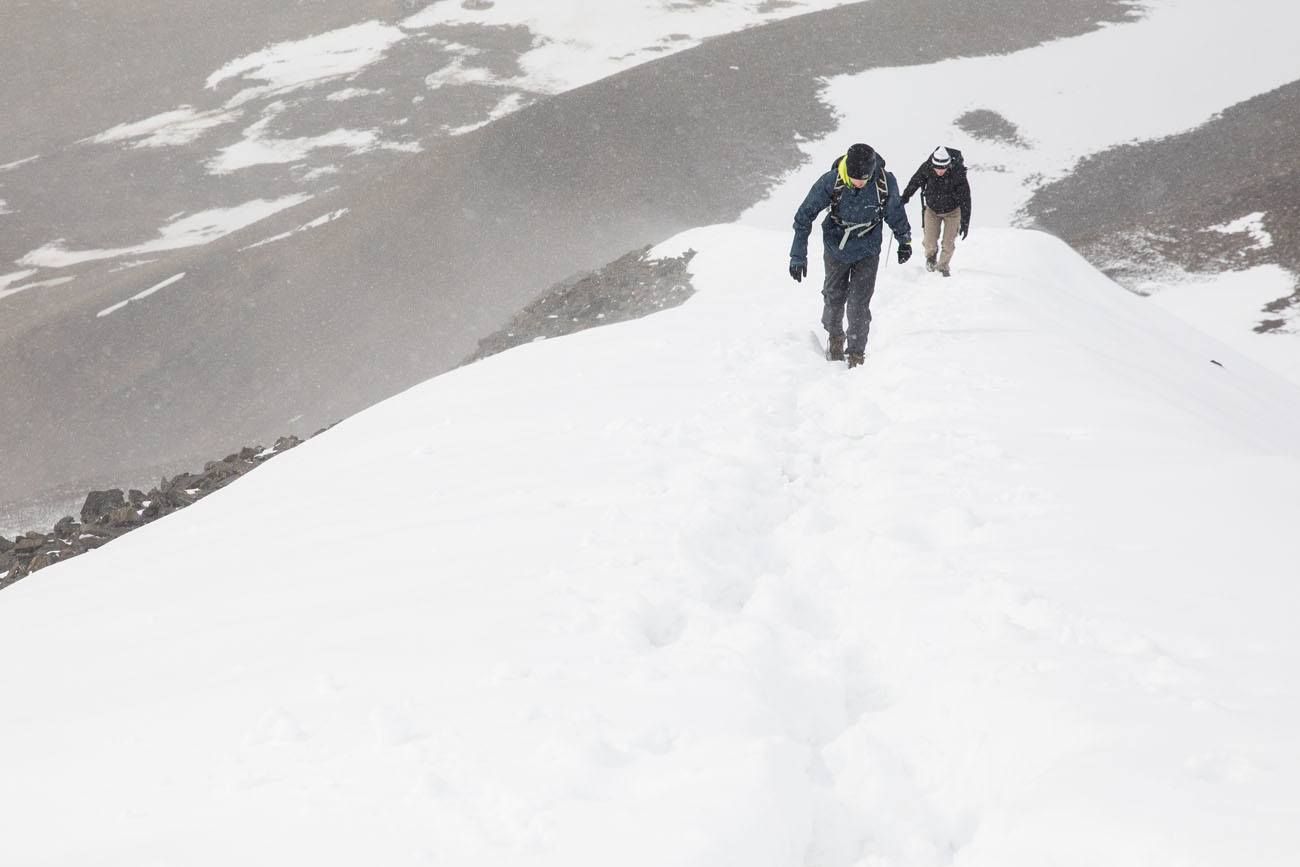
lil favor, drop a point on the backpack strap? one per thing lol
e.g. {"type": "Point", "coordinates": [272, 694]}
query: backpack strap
{"type": "Point", "coordinates": [837, 192]}
{"type": "Point", "coordinates": [861, 229]}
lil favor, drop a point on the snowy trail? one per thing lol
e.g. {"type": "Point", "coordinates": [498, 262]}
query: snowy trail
{"type": "Point", "coordinates": [677, 591]}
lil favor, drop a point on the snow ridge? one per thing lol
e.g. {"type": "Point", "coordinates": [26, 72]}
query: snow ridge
{"type": "Point", "coordinates": [680, 592]}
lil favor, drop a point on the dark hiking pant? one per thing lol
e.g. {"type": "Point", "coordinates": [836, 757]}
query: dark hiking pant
{"type": "Point", "coordinates": [849, 286]}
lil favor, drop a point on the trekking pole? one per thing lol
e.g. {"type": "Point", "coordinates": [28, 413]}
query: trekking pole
{"type": "Point", "coordinates": [890, 250]}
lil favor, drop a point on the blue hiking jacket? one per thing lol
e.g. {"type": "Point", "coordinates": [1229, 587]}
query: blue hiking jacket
{"type": "Point", "coordinates": [858, 210]}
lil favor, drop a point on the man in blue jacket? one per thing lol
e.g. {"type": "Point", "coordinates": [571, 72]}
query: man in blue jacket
{"type": "Point", "coordinates": [861, 196]}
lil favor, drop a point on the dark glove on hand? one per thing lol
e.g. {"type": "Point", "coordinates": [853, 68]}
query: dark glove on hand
{"type": "Point", "coordinates": [962, 231]}
{"type": "Point", "coordinates": [798, 269]}
{"type": "Point", "coordinates": [904, 251]}
{"type": "Point", "coordinates": [905, 199]}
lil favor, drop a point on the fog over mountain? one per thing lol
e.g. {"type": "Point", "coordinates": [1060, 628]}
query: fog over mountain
{"type": "Point", "coordinates": [426, 234]}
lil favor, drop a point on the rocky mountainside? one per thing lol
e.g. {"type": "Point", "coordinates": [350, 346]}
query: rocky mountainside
{"type": "Point", "coordinates": [107, 515]}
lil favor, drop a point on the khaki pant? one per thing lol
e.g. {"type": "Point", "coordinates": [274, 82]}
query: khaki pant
{"type": "Point", "coordinates": [951, 222]}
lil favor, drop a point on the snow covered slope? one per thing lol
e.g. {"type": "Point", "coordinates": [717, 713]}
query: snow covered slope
{"type": "Point", "coordinates": [679, 592]}
{"type": "Point", "coordinates": [1068, 99]}
{"type": "Point", "coordinates": [386, 259]}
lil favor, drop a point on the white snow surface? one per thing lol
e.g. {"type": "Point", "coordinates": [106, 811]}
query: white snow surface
{"type": "Point", "coordinates": [1070, 99]}
{"type": "Point", "coordinates": [1228, 306]}
{"type": "Point", "coordinates": [679, 592]}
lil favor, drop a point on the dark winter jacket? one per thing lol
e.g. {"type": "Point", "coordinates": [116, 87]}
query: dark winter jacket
{"type": "Point", "coordinates": [942, 194]}
{"type": "Point", "coordinates": [859, 212]}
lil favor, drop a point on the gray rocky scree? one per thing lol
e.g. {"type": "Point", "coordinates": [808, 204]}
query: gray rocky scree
{"type": "Point", "coordinates": [109, 514]}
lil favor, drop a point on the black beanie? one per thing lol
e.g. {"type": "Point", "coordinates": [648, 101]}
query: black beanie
{"type": "Point", "coordinates": [860, 162]}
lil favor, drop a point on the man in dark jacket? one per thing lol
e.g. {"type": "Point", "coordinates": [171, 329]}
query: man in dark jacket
{"type": "Point", "coordinates": [945, 201]}
{"type": "Point", "coordinates": [861, 196]}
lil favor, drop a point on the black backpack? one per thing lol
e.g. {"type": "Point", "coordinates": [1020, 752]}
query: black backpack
{"type": "Point", "coordinates": [882, 194]}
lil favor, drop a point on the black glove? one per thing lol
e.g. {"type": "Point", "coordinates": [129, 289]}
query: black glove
{"type": "Point", "coordinates": [905, 198]}
{"type": "Point", "coordinates": [798, 269]}
{"type": "Point", "coordinates": [904, 251]}
{"type": "Point", "coordinates": [962, 231]}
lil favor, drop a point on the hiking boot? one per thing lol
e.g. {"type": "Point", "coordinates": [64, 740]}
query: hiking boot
{"type": "Point", "coordinates": [835, 348]}
{"type": "Point", "coordinates": [855, 359]}
{"type": "Point", "coordinates": [931, 262]}
{"type": "Point", "coordinates": [945, 272]}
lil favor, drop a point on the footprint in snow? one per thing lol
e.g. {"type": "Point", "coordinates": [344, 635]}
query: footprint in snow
{"type": "Point", "coordinates": [839, 411]}
{"type": "Point", "coordinates": [661, 623]}
{"type": "Point", "coordinates": [275, 727]}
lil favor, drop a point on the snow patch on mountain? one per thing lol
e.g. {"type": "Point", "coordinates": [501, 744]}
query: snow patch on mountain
{"type": "Point", "coordinates": [1068, 98]}
{"type": "Point", "coordinates": [16, 163]}
{"type": "Point", "coordinates": [190, 231]}
{"type": "Point", "coordinates": [509, 104]}
{"type": "Point", "coordinates": [39, 284]}
{"type": "Point", "coordinates": [572, 46]}
{"type": "Point", "coordinates": [7, 280]}
{"type": "Point", "coordinates": [1251, 225]}
{"type": "Point", "coordinates": [180, 126]}
{"type": "Point", "coordinates": [290, 66]}
{"type": "Point", "coordinates": [313, 224]}
{"type": "Point", "coordinates": [259, 148]}
{"type": "Point", "coordinates": [140, 296]}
